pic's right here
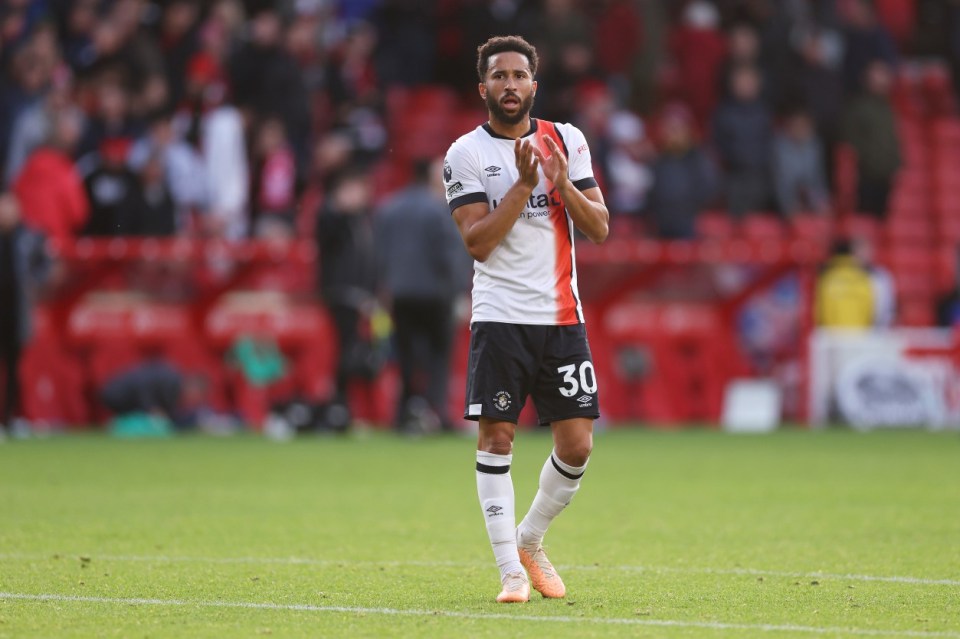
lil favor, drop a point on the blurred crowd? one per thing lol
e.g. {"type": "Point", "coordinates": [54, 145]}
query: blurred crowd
{"type": "Point", "coordinates": [218, 118]}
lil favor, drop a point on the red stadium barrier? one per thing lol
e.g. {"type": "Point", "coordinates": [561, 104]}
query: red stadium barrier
{"type": "Point", "coordinates": [200, 296]}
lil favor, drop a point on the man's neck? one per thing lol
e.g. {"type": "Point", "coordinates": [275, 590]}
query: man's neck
{"type": "Point", "coordinates": [512, 131]}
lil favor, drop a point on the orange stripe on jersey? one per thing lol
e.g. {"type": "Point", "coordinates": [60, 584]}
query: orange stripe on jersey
{"type": "Point", "coordinates": [563, 242]}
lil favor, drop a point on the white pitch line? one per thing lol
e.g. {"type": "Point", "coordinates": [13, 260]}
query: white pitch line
{"type": "Point", "coordinates": [307, 561]}
{"type": "Point", "coordinates": [412, 612]}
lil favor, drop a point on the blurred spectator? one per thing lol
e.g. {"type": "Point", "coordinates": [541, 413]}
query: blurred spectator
{"type": "Point", "coordinates": [156, 389]}
{"type": "Point", "coordinates": [565, 45]}
{"type": "Point", "coordinates": [698, 47]}
{"type": "Point", "coordinates": [798, 173]}
{"type": "Point", "coordinates": [866, 41]}
{"type": "Point", "coordinates": [743, 49]}
{"type": "Point", "coordinates": [406, 43]}
{"type": "Point", "coordinates": [348, 274]}
{"type": "Point", "coordinates": [184, 173]}
{"type": "Point", "coordinates": [216, 129]}
{"type": "Point", "coordinates": [422, 269]}
{"type": "Point", "coordinates": [49, 186]}
{"type": "Point", "coordinates": [884, 288]}
{"type": "Point", "coordinates": [22, 87]}
{"type": "Point", "coordinates": [23, 267]}
{"type": "Point", "coordinates": [626, 164]}
{"type": "Point", "coordinates": [845, 295]}
{"type": "Point", "coordinates": [618, 37]}
{"type": "Point", "coordinates": [870, 127]}
{"type": "Point", "coordinates": [683, 178]}
{"type": "Point", "coordinates": [561, 25]}
{"type": "Point", "coordinates": [274, 178]}
{"type": "Point", "coordinates": [80, 22]}
{"type": "Point", "coordinates": [156, 209]}
{"type": "Point", "coordinates": [482, 19]}
{"type": "Point", "coordinates": [742, 136]}
{"type": "Point", "coordinates": [32, 126]}
{"type": "Point", "coordinates": [111, 117]}
{"type": "Point", "coordinates": [816, 83]}
{"type": "Point", "coordinates": [123, 50]}
{"type": "Point", "coordinates": [179, 39]}
{"type": "Point", "coordinates": [113, 191]}
{"type": "Point", "coordinates": [351, 72]}
{"type": "Point", "coordinates": [266, 80]}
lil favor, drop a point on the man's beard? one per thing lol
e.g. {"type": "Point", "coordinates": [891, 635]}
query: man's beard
{"type": "Point", "coordinates": [497, 112]}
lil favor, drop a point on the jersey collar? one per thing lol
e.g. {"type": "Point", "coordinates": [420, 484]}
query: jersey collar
{"type": "Point", "coordinates": [530, 131]}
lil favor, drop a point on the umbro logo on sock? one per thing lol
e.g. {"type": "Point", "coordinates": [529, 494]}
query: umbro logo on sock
{"type": "Point", "coordinates": [494, 511]}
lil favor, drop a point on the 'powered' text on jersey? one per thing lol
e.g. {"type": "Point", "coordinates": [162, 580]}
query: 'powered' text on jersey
{"type": "Point", "coordinates": [531, 276]}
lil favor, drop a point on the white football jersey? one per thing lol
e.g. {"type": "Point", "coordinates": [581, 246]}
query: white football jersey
{"type": "Point", "coordinates": [531, 276]}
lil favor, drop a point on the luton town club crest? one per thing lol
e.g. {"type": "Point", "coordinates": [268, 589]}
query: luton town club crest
{"type": "Point", "coordinates": [502, 400]}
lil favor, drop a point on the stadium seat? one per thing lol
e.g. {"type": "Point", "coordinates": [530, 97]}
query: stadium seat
{"type": "Point", "coordinates": [811, 226]}
{"type": "Point", "coordinates": [902, 227]}
{"type": "Point", "coordinates": [947, 263]}
{"type": "Point", "coordinates": [762, 226]}
{"type": "Point", "coordinates": [715, 225]}
{"type": "Point", "coordinates": [860, 226]}
{"type": "Point", "coordinates": [948, 228]}
{"type": "Point", "coordinates": [915, 311]}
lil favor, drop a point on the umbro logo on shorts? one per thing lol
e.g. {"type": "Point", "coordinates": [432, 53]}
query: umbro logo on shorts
{"type": "Point", "coordinates": [584, 401]}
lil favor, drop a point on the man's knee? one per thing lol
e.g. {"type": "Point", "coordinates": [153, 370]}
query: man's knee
{"type": "Point", "coordinates": [575, 453]}
{"type": "Point", "coordinates": [496, 438]}
{"type": "Point", "coordinates": [573, 441]}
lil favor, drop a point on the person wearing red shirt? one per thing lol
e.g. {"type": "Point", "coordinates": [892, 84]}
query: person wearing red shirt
{"type": "Point", "coordinates": [49, 187]}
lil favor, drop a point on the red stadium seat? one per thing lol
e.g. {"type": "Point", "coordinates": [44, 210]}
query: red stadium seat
{"type": "Point", "coordinates": [908, 228]}
{"type": "Point", "coordinates": [811, 226]}
{"type": "Point", "coordinates": [715, 225]}
{"type": "Point", "coordinates": [916, 311]}
{"type": "Point", "coordinates": [948, 228]}
{"type": "Point", "coordinates": [858, 226]}
{"type": "Point", "coordinates": [912, 267]}
{"type": "Point", "coordinates": [947, 262]}
{"type": "Point", "coordinates": [759, 226]}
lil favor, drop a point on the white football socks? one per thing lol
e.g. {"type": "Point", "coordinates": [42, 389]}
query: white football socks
{"type": "Point", "coordinates": [558, 484]}
{"type": "Point", "coordinates": [495, 489]}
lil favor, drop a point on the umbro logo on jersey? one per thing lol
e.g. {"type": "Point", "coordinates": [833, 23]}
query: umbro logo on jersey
{"type": "Point", "coordinates": [494, 511]}
{"type": "Point", "coordinates": [584, 401]}
{"type": "Point", "coordinates": [493, 170]}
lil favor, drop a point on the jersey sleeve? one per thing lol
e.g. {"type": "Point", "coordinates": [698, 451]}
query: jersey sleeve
{"type": "Point", "coordinates": [461, 178]}
{"type": "Point", "coordinates": [579, 163]}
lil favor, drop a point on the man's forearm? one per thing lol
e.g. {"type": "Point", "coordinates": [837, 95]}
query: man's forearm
{"type": "Point", "coordinates": [592, 218]}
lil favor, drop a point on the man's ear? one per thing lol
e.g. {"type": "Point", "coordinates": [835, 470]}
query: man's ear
{"type": "Point", "coordinates": [482, 89]}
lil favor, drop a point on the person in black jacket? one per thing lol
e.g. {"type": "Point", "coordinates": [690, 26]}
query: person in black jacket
{"type": "Point", "coordinates": [348, 274]}
{"type": "Point", "coordinates": [23, 266]}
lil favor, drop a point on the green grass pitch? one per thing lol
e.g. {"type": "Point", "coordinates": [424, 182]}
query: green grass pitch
{"type": "Point", "coordinates": [686, 534]}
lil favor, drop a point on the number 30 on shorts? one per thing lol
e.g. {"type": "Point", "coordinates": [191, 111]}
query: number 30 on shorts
{"type": "Point", "coordinates": [587, 381]}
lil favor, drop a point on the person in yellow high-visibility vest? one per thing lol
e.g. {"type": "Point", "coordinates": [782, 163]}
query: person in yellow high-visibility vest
{"type": "Point", "coordinates": [845, 294]}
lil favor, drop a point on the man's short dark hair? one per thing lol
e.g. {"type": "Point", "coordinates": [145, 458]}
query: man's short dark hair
{"type": "Point", "coordinates": [502, 44]}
